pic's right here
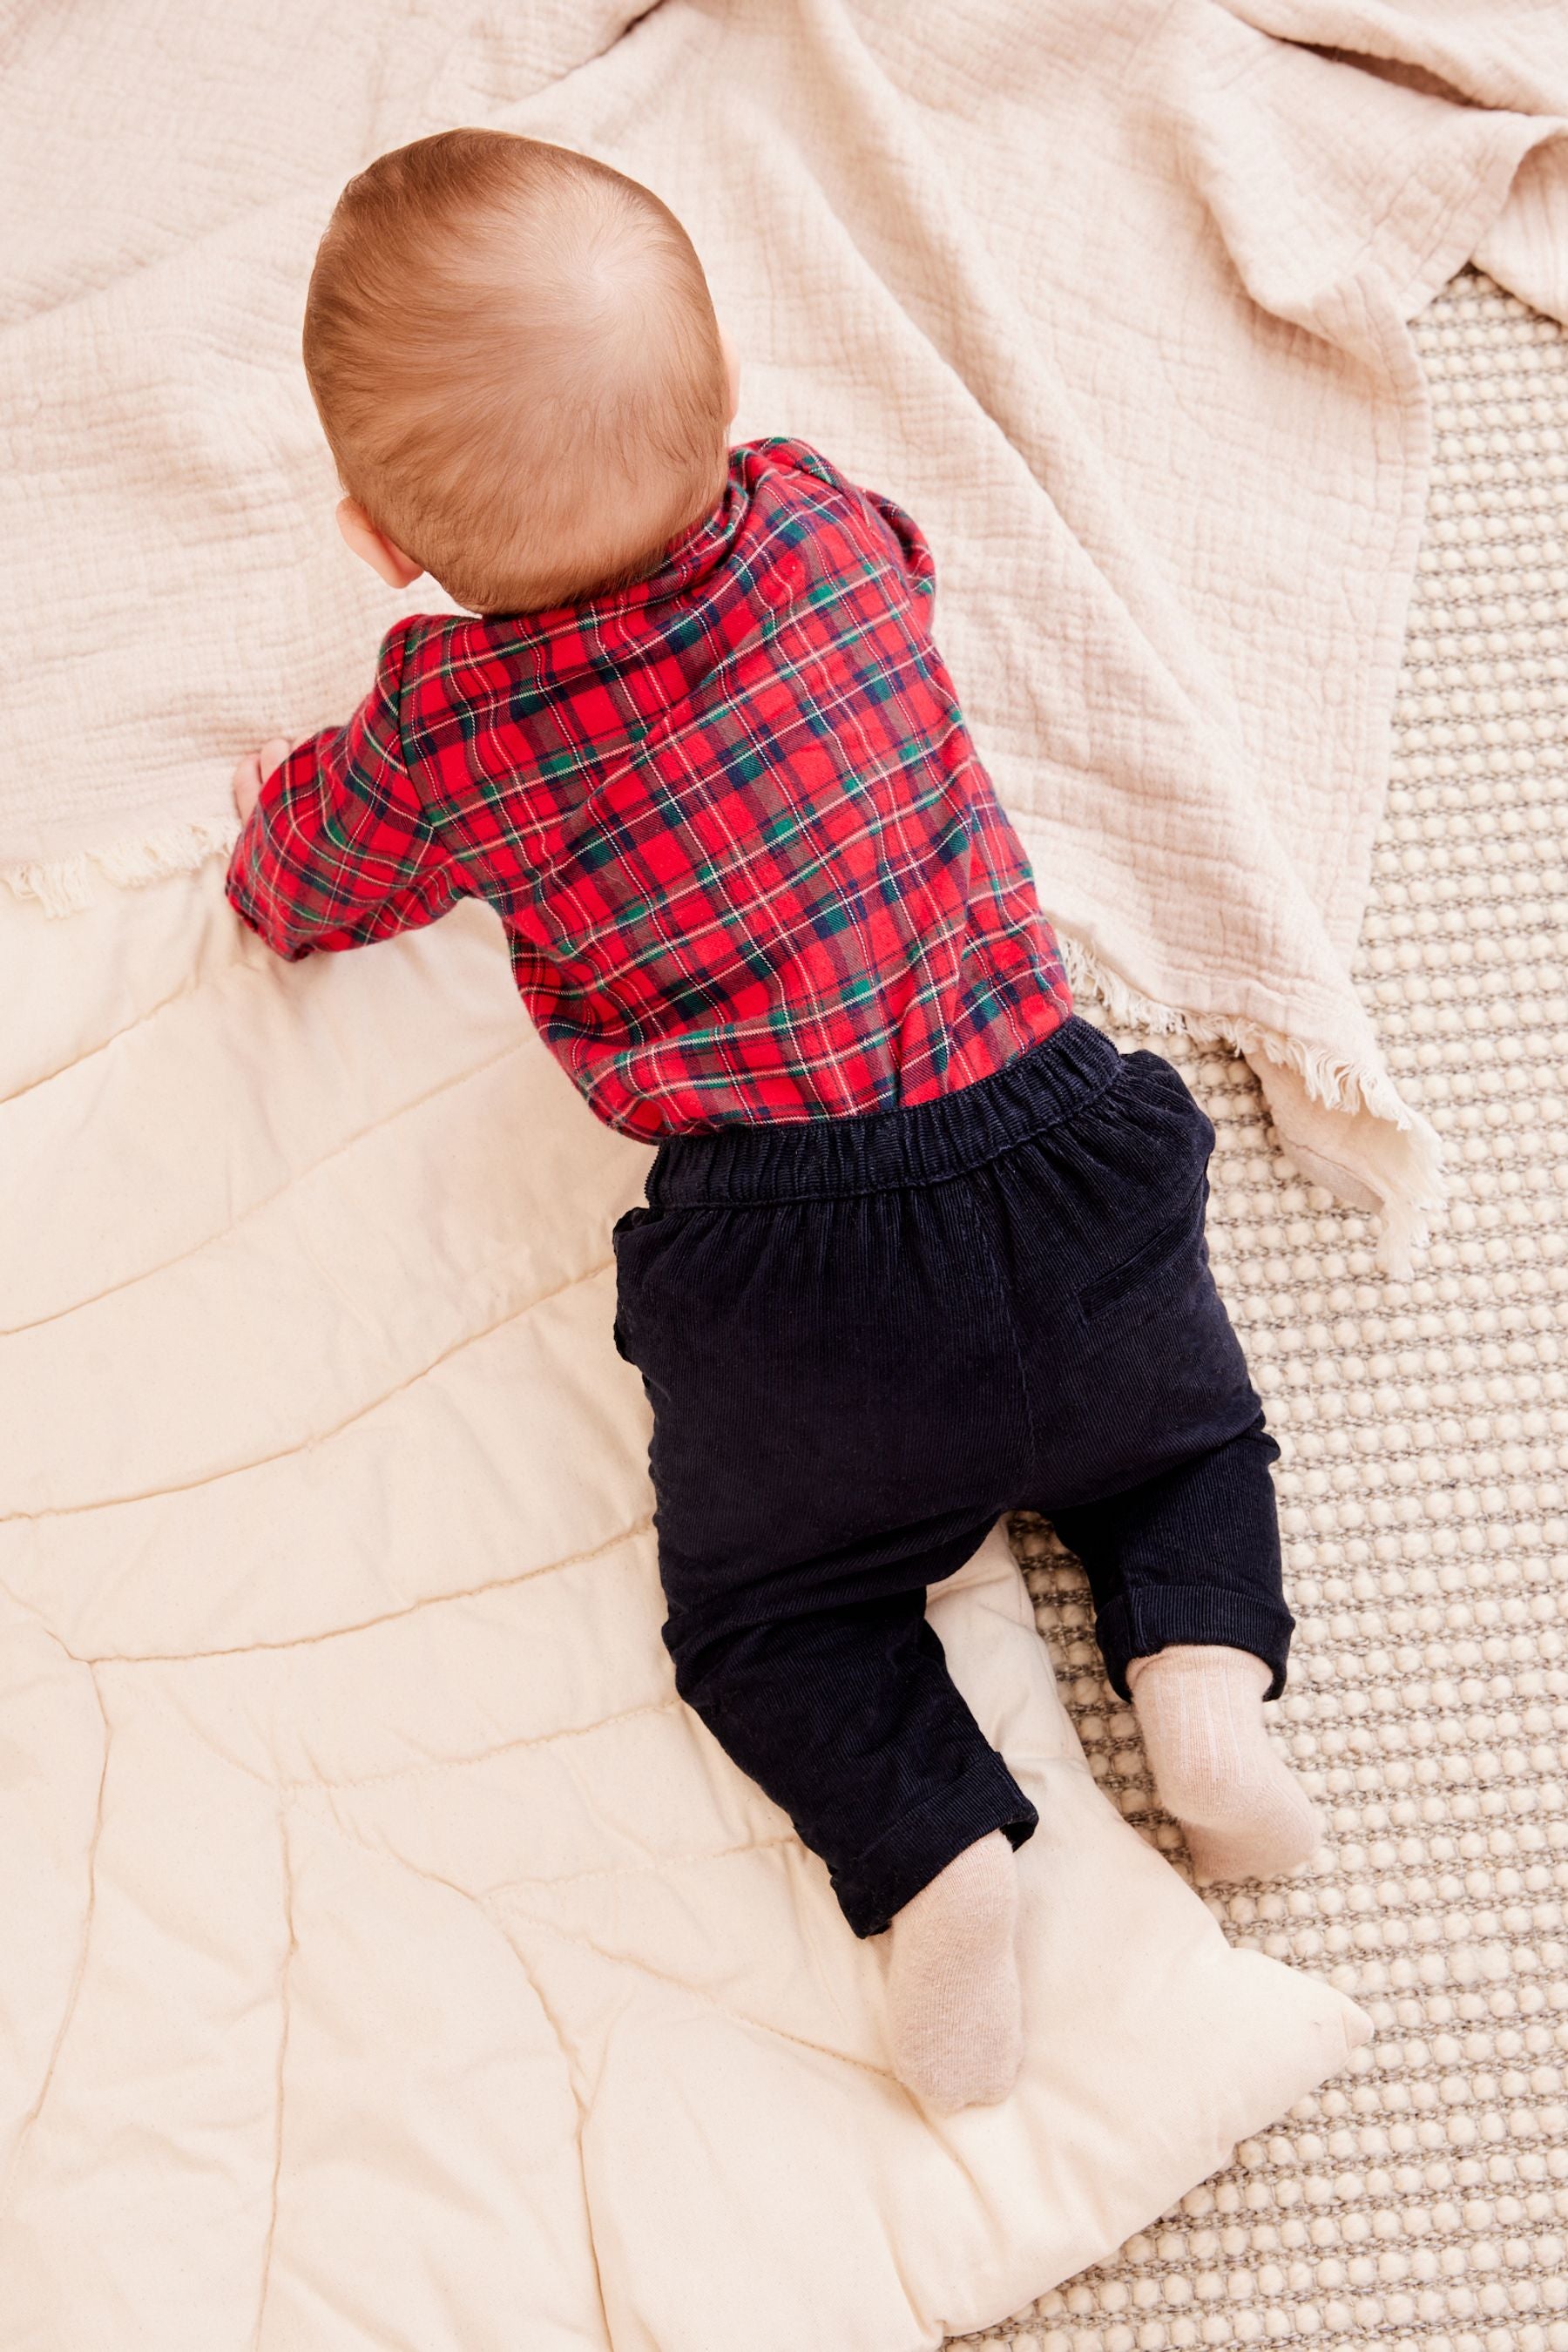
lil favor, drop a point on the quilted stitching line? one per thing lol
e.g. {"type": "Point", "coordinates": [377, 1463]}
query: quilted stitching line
{"type": "Point", "coordinates": [284, 1983]}
{"type": "Point", "coordinates": [91, 1052]}
{"type": "Point", "coordinates": [319, 1437]}
{"type": "Point", "coordinates": [562, 2047]}
{"type": "Point", "coordinates": [720, 2008]}
{"type": "Point", "coordinates": [568, 2060]}
{"type": "Point", "coordinates": [323, 1812]}
{"type": "Point", "coordinates": [654, 1869]}
{"type": "Point", "coordinates": [487, 1903]}
{"type": "Point", "coordinates": [483, 1755]}
{"type": "Point", "coordinates": [79, 1976]}
{"type": "Point", "coordinates": [340, 1632]}
{"type": "Point", "coordinates": [258, 1208]}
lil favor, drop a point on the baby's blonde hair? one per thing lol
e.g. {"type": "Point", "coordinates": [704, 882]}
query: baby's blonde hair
{"type": "Point", "coordinates": [513, 352]}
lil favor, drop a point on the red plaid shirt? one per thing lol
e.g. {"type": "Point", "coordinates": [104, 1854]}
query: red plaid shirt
{"type": "Point", "coordinates": [749, 865]}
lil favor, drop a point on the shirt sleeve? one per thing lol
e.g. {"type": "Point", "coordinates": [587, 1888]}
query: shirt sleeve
{"type": "Point", "coordinates": [337, 851]}
{"type": "Point", "coordinates": [887, 518]}
{"type": "Point", "coordinates": [911, 540]}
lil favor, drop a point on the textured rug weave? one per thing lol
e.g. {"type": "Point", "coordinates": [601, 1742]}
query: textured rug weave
{"type": "Point", "coordinates": [1422, 2200]}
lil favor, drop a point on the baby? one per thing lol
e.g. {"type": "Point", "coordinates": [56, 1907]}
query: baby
{"type": "Point", "coordinates": [920, 1246]}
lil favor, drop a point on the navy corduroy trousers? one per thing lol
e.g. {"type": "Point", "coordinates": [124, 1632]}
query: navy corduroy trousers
{"type": "Point", "coordinates": [866, 1339]}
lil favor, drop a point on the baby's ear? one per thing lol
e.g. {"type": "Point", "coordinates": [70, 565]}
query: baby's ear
{"type": "Point", "coordinates": [732, 373]}
{"type": "Point", "coordinates": [372, 547]}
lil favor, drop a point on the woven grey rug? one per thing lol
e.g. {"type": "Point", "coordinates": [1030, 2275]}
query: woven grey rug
{"type": "Point", "coordinates": [1422, 2200]}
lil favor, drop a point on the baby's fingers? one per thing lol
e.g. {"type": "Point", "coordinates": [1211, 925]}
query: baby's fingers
{"type": "Point", "coordinates": [253, 770]}
{"type": "Point", "coordinates": [245, 784]}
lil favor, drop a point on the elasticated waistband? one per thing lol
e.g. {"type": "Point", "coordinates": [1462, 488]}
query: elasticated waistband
{"type": "Point", "coordinates": [886, 1151]}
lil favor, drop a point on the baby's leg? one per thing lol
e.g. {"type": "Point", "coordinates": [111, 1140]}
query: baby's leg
{"type": "Point", "coordinates": [838, 1417]}
{"type": "Point", "coordinates": [1200, 1708]}
{"type": "Point", "coordinates": [1185, 1573]}
{"type": "Point", "coordinates": [846, 1716]}
{"type": "Point", "coordinates": [955, 2014]}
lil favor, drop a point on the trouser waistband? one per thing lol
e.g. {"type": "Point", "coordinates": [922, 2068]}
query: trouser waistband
{"type": "Point", "coordinates": [887, 1150]}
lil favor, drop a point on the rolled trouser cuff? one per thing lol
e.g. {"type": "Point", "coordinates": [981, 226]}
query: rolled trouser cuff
{"type": "Point", "coordinates": [920, 1843]}
{"type": "Point", "coordinates": [1156, 1618]}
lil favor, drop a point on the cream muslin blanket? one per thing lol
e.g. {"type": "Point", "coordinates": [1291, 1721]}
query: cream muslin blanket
{"type": "Point", "coordinates": [1113, 296]}
{"type": "Point", "coordinates": [386, 1960]}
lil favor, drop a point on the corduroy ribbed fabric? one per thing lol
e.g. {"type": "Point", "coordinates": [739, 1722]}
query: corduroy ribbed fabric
{"type": "Point", "coordinates": [863, 1341]}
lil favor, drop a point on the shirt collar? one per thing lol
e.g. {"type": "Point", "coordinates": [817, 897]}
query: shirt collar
{"type": "Point", "coordinates": [691, 557]}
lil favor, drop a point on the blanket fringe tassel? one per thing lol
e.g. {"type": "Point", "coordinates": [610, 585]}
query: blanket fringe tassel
{"type": "Point", "coordinates": [66, 885]}
{"type": "Point", "coordinates": [1407, 1180]}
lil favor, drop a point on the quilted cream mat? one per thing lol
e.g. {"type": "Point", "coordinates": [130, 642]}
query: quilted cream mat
{"type": "Point", "coordinates": [1421, 2201]}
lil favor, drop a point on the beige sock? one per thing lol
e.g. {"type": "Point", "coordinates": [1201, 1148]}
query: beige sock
{"type": "Point", "coordinates": [1200, 1708]}
{"type": "Point", "coordinates": [954, 2013]}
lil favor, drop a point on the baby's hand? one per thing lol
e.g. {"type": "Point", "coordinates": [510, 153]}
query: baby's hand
{"type": "Point", "coordinates": [253, 772]}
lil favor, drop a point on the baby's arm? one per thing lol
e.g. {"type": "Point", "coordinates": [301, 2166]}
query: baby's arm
{"type": "Point", "coordinates": [336, 849]}
{"type": "Point", "coordinates": [909, 541]}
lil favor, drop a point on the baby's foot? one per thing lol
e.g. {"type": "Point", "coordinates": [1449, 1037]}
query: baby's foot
{"type": "Point", "coordinates": [954, 2010]}
{"type": "Point", "coordinates": [1200, 1708]}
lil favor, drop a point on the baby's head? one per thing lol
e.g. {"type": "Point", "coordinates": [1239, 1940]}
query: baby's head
{"type": "Point", "coordinates": [514, 355]}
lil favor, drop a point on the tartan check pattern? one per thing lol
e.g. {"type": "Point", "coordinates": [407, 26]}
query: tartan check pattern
{"type": "Point", "coordinates": [749, 865]}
